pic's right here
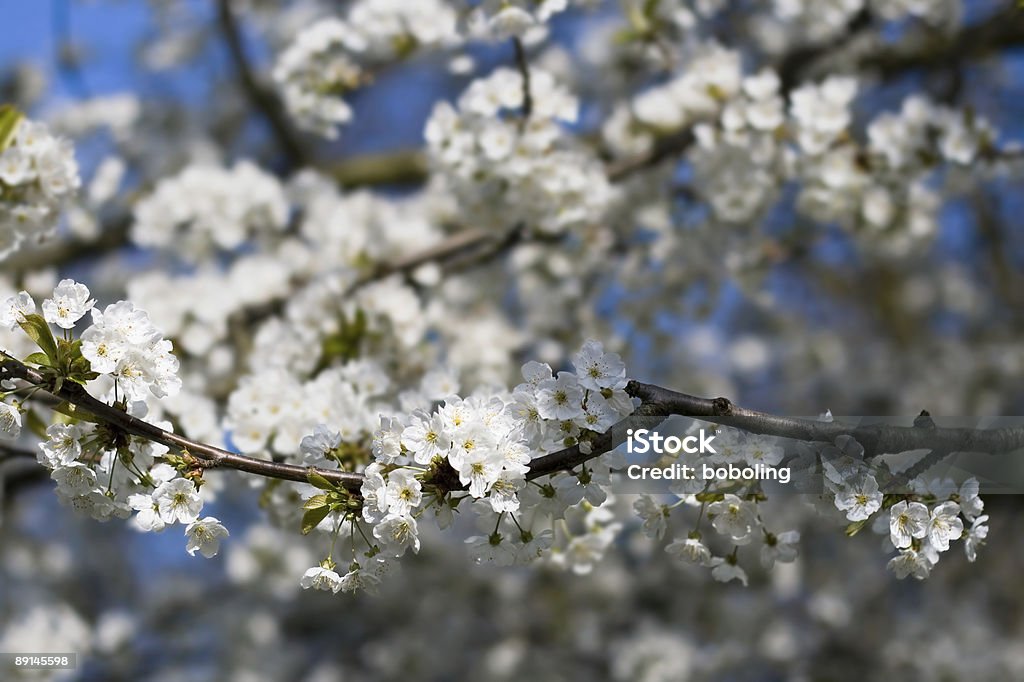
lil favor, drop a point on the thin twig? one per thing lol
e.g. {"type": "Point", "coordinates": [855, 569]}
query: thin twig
{"type": "Point", "coordinates": [260, 97]}
{"type": "Point", "coordinates": [524, 70]}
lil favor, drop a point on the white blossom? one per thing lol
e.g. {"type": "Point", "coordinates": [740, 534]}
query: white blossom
{"type": "Point", "coordinates": [69, 304]}
{"type": "Point", "coordinates": [907, 522]}
{"type": "Point", "coordinates": [178, 501]}
{"type": "Point", "coordinates": [861, 500]}
{"type": "Point", "coordinates": [204, 536]}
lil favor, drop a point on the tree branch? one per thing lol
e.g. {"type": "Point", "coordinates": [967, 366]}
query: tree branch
{"type": "Point", "coordinates": [260, 97]}
{"type": "Point", "coordinates": [1002, 30]}
{"type": "Point", "coordinates": [209, 455]}
{"type": "Point", "coordinates": [654, 401]}
{"type": "Point", "coordinates": [876, 439]}
{"type": "Point", "coordinates": [524, 70]}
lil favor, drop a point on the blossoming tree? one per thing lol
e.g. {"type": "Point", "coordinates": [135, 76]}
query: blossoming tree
{"type": "Point", "coordinates": [612, 208]}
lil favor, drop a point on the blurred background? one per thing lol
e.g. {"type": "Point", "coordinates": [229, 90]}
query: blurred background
{"type": "Point", "coordinates": [782, 313]}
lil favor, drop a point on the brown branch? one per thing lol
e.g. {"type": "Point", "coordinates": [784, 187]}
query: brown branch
{"type": "Point", "coordinates": [208, 455]}
{"type": "Point", "coordinates": [524, 70]}
{"type": "Point", "coordinates": [262, 98]}
{"type": "Point", "coordinates": [654, 401]}
{"type": "Point", "coordinates": [1001, 30]}
{"type": "Point", "coordinates": [875, 438]}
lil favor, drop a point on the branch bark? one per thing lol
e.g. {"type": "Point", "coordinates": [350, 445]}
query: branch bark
{"type": "Point", "coordinates": [655, 401]}
{"type": "Point", "coordinates": [209, 455]}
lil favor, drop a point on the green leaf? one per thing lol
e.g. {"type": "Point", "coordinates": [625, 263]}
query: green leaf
{"type": "Point", "coordinates": [316, 501]}
{"type": "Point", "coordinates": [318, 481]}
{"type": "Point", "coordinates": [38, 359]}
{"type": "Point", "coordinates": [312, 518]}
{"type": "Point", "coordinates": [9, 120]}
{"type": "Point", "coordinates": [855, 527]}
{"type": "Point", "coordinates": [39, 331]}
{"type": "Point", "coordinates": [710, 497]}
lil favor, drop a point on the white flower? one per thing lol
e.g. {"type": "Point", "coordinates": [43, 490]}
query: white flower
{"type": "Point", "coordinates": [584, 551]}
{"type": "Point", "coordinates": [691, 550]}
{"type": "Point", "coordinates": [15, 166]}
{"type": "Point", "coordinates": [479, 468]}
{"type": "Point", "coordinates": [314, 447]}
{"type": "Point", "coordinates": [374, 492]}
{"type": "Point", "coordinates": [205, 535]}
{"type": "Point", "coordinates": [597, 369]}
{"type": "Point", "coordinates": [976, 537]}
{"type": "Point", "coordinates": [909, 562]}
{"type": "Point", "coordinates": [511, 22]}
{"type": "Point", "coordinates": [560, 398]}
{"type": "Point", "coordinates": [907, 522]}
{"type": "Point", "coordinates": [503, 494]}
{"type": "Point", "coordinates": [534, 546]}
{"type": "Point", "coordinates": [970, 504]}
{"type": "Point", "coordinates": [387, 440]}
{"type": "Point", "coordinates": [762, 450]}
{"type": "Point", "coordinates": [426, 437]}
{"type": "Point", "coordinates": [10, 421]}
{"type": "Point", "coordinates": [472, 439]}
{"type": "Point", "coordinates": [535, 372]}
{"type": "Point", "coordinates": [321, 578]}
{"type": "Point", "coordinates": [515, 455]}
{"type": "Point", "coordinates": [781, 547]}
{"type": "Point", "coordinates": [945, 525]}
{"type": "Point", "coordinates": [724, 570]}
{"type": "Point", "coordinates": [61, 446]}
{"type": "Point", "coordinates": [123, 342]}
{"type": "Point", "coordinates": [148, 518]}
{"type": "Point", "coordinates": [359, 579]}
{"type": "Point", "coordinates": [15, 308]}
{"type": "Point", "coordinates": [598, 414]}
{"type": "Point", "coordinates": [735, 518]}
{"type": "Point", "coordinates": [654, 515]}
{"type": "Point", "coordinates": [861, 501]}
{"type": "Point", "coordinates": [178, 501]}
{"type": "Point", "coordinates": [69, 304]}
{"type": "Point", "coordinates": [402, 492]}
{"type": "Point", "coordinates": [491, 549]}
{"type": "Point", "coordinates": [74, 479]}
{"type": "Point", "coordinates": [397, 532]}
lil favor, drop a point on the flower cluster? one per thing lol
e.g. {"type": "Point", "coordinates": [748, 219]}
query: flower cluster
{"type": "Point", "coordinates": [733, 511]}
{"type": "Point", "coordinates": [120, 357]}
{"type": "Point", "coordinates": [38, 175]}
{"type": "Point", "coordinates": [315, 71]}
{"type": "Point", "coordinates": [476, 452]}
{"type": "Point", "coordinates": [922, 531]}
{"type": "Point", "coordinates": [206, 207]}
{"type": "Point", "coordinates": [329, 58]}
{"type": "Point", "coordinates": [815, 22]}
{"type": "Point", "coordinates": [711, 77]}
{"type": "Point", "coordinates": [274, 405]}
{"type": "Point", "coordinates": [506, 170]}
{"type": "Point", "coordinates": [749, 145]}
{"type": "Point", "coordinates": [922, 518]}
